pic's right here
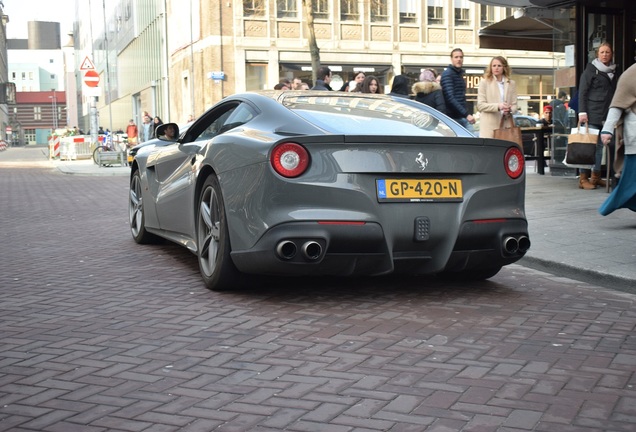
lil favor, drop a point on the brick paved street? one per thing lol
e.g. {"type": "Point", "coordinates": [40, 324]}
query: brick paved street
{"type": "Point", "coordinates": [101, 334]}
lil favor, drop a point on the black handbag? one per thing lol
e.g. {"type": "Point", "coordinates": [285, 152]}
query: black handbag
{"type": "Point", "coordinates": [581, 148]}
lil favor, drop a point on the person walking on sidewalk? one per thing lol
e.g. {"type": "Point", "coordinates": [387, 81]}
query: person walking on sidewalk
{"type": "Point", "coordinates": [131, 133]}
{"type": "Point", "coordinates": [596, 89]}
{"type": "Point", "coordinates": [429, 92]}
{"type": "Point", "coordinates": [497, 96]}
{"type": "Point", "coordinates": [622, 116]}
{"type": "Point", "coordinates": [454, 88]}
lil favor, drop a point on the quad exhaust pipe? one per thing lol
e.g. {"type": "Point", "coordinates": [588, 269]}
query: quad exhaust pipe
{"type": "Point", "coordinates": [310, 250]}
{"type": "Point", "coordinates": [512, 245]}
{"type": "Point", "coordinates": [286, 249]}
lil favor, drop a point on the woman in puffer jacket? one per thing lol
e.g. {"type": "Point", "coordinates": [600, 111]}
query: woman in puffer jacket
{"type": "Point", "coordinates": [429, 92]}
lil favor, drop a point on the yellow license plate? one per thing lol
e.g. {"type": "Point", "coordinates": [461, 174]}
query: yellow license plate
{"type": "Point", "coordinates": [425, 190]}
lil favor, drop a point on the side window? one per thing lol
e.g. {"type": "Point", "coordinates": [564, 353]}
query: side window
{"type": "Point", "coordinates": [227, 120]}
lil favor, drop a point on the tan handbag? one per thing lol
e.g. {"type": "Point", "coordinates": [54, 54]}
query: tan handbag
{"type": "Point", "coordinates": [581, 148]}
{"type": "Point", "coordinates": [508, 133]}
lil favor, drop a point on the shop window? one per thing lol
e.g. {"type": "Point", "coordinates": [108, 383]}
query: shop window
{"type": "Point", "coordinates": [462, 13]}
{"type": "Point", "coordinates": [321, 9]}
{"type": "Point", "coordinates": [255, 76]}
{"type": "Point", "coordinates": [286, 9]}
{"type": "Point", "coordinates": [379, 10]}
{"type": "Point", "coordinates": [487, 15]}
{"type": "Point", "coordinates": [349, 10]}
{"type": "Point", "coordinates": [408, 11]}
{"type": "Point", "coordinates": [435, 11]}
{"type": "Point", "coordinates": [253, 8]}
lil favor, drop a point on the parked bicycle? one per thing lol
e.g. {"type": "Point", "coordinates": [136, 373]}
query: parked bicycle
{"type": "Point", "coordinates": [111, 151]}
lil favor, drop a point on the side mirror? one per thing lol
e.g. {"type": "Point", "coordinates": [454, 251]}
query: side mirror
{"type": "Point", "coordinates": [167, 132]}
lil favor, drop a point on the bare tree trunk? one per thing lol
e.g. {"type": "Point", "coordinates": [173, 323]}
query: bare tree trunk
{"type": "Point", "coordinates": [308, 8]}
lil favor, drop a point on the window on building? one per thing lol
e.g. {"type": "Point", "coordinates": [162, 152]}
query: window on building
{"type": "Point", "coordinates": [31, 76]}
{"type": "Point", "coordinates": [52, 76]}
{"type": "Point", "coordinates": [37, 113]}
{"type": "Point", "coordinates": [435, 11]}
{"type": "Point", "coordinates": [286, 9]}
{"type": "Point", "coordinates": [408, 11]}
{"type": "Point", "coordinates": [321, 9]}
{"type": "Point", "coordinates": [23, 75]}
{"type": "Point", "coordinates": [253, 8]}
{"type": "Point", "coordinates": [487, 15]}
{"type": "Point", "coordinates": [255, 76]}
{"type": "Point", "coordinates": [379, 10]}
{"type": "Point", "coordinates": [13, 76]}
{"type": "Point", "coordinates": [462, 13]}
{"type": "Point", "coordinates": [51, 61]}
{"type": "Point", "coordinates": [349, 10]}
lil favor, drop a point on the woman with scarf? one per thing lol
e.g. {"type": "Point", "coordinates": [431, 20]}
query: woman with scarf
{"type": "Point", "coordinates": [596, 89]}
{"type": "Point", "coordinates": [496, 97]}
{"type": "Point", "coordinates": [622, 116]}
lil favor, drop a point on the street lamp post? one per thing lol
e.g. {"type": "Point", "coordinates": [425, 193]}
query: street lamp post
{"type": "Point", "coordinates": [54, 109]}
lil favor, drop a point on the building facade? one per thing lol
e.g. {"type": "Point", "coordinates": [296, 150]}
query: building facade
{"type": "Point", "coordinates": [36, 70]}
{"type": "Point", "coordinates": [173, 59]}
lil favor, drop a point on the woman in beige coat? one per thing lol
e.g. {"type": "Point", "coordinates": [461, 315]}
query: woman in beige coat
{"type": "Point", "coordinates": [497, 96]}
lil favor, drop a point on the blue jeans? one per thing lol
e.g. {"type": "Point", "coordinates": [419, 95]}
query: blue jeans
{"type": "Point", "coordinates": [464, 122]}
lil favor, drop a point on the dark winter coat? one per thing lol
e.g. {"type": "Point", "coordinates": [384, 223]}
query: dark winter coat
{"type": "Point", "coordinates": [430, 93]}
{"type": "Point", "coordinates": [596, 90]}
{"type": "Point", "coordinates": [454, 89]}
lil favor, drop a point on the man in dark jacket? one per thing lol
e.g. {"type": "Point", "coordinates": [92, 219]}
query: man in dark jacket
{"type": "Point", "coordinates": [323, 78]}
{"type": "Point", "coordinates": [454, 89]}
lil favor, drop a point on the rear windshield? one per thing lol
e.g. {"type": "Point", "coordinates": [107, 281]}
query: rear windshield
{"type": "Point", "coordinates": [359, 114]}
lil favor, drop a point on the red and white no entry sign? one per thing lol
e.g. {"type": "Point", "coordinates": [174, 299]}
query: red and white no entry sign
{"type": "Point", "coordinates": [91, 78]}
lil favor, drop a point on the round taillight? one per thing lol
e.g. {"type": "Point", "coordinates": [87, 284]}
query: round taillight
{"type": "Point", "coordinates": [514, 162]}
{"type": "Point", "coordinates": [289, 159]}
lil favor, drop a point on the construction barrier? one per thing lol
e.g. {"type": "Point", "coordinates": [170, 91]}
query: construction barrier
{"type": "Point", "coordinates": [54, 147]}
{"type": "Point", "coordinates": [3, 145]}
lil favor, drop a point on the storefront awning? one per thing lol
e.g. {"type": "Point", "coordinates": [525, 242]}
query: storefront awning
{"type": "Point", "coordinates": [523, 33]}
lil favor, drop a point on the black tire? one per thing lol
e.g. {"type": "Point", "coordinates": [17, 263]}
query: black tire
{"type": "Point", "coordinates": [471, 275]}
{"type": "Point", "coordinates": [213, 240]}
{"type": "Point", "coordinates": [136, 217]}
{"type": "Point", "coordinates": [96, 153]}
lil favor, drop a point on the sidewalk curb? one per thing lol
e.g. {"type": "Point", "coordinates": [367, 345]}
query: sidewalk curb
{"type": "Point", "coordinates": [592, 277]}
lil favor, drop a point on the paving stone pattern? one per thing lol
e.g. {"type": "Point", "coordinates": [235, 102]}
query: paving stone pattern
{"type": "Point", "coordinates": [101, 334]}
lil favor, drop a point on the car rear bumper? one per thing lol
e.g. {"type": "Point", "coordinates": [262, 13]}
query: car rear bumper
{"type": "Point", "coordinates": [312, 248]}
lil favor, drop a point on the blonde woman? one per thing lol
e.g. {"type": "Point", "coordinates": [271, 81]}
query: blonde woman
{"type": "Point", "coordinates": [497, 96]}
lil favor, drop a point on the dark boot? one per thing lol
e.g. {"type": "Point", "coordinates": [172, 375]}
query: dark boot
{"type": "Point", "coordinates": [584, 182]}
{"type": "Point", "coordinates": [597, 180]}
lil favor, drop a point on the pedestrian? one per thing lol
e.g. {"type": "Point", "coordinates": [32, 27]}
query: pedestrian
{"type": "Point", "coordinates": [297, 84]}
{"type": "Point", "coordinates": [156, 122]}
{"type": "Point", "coordinates": [596, 90]}
{"type": "Point", "coordinates": [400, 87]}
{"type": "Point", "coordinates": [132, 132]}
{"type": "Point", "coordinates": [145, 132]}
{"type": "Point", "coordinates": [547, 116]}
{"type": "Point", "coordinates": [454, 89]}
{"type": "Point", "coordinates": [351, 85]}
{"type": "Point", "coordinates": [496, 97]}
{"type": "Point", "coordinates": [323, 78]}
{"type": "Point", "coordinates": [304, 86]}
{"type": "Point", "coordinates": [371, 85]}
{"type": "Point", "coordinates": [281, 86]}
{"type": "Point", "coordinates": [621, 116]}
{"type": "Point", "coordinates": [429, 92]}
